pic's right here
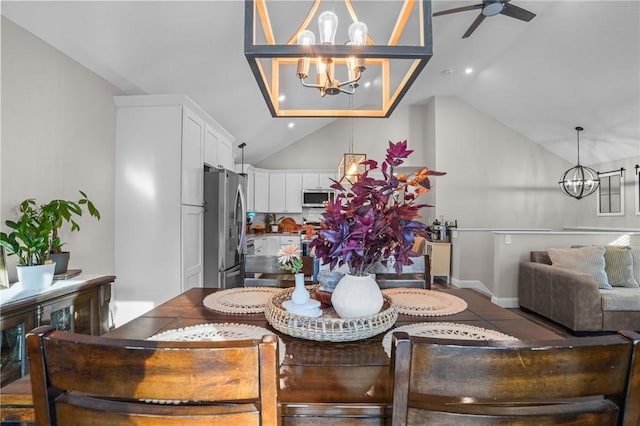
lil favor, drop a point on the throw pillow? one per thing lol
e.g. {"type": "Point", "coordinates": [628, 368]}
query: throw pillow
{"type": "Point", "coordinates": [619, 267]}
{"type": "Point", "coordinates": [635, 254]}
{"type": "Point", "coordinates": [588, 260]}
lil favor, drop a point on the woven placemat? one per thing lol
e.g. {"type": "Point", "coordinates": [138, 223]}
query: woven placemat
{"type": "Point", "coordinates": [242, 300]}
{"type": "Point", "coordinates": [218, 332]}
{"type": "Point", "coordinates": [445, 330]}
{"type": "Point", "coordinates": [426, 303]}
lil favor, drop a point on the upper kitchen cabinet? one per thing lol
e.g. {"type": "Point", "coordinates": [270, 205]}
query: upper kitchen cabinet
{"type": "Point", "coordinates": [285, 192]}
{"type": "Point", "coordinates": [217, 148]}
{"type": "Point", "coordinates": [317, 180]}
{"type": "Point", "coordinates": [293, 187]}
{"type": "Point", "coordinates": [261, 190]}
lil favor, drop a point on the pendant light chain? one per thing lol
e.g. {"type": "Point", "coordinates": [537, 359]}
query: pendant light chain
{"type": "Point", "coordinates": [578, 130]}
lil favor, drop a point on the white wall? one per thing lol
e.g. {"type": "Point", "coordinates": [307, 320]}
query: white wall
{"type": "Point", "coordinates": [586, 215]}
{"type": "Point", "coordinates": [496, 178]}
{"type": "Point", "coordinates": [58, 137]}
{"type": "Point", "coordinates": [324, 148]}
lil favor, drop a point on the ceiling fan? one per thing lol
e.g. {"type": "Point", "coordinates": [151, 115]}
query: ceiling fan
{"type": "Point", "coordinates": [491, 8]}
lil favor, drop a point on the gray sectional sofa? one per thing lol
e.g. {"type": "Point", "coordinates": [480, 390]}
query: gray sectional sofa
{"type": "Point", "coordinates": [583, 300]}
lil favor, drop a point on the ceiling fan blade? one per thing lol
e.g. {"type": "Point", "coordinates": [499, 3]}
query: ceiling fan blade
{"type": "Point", "coordinates": [474, 25]}
{"type": "Point", "coordinates": [458, 9]}
{"type": "Point", "coordinates": [517, 12]}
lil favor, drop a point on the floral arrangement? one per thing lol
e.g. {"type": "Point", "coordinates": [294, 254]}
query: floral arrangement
{"type": "Point", "coordinates": [371, 220]}
{"type": "Point", "coordinates": [289, 259]}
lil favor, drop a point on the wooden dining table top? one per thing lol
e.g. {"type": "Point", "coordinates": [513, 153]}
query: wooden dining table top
{"type": "Point", "coordinates": [341, 382]}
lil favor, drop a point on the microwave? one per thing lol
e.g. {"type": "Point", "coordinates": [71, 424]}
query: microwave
{"type": "Point", "coordinates": [316, 197]}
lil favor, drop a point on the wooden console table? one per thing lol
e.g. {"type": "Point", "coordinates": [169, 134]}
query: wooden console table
{"type": "Point", "coordinates": [80, 305]}
{"type": "Point", "coordinates": [320, 382]}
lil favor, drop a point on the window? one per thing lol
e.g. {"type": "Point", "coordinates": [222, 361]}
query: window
{"type": "Point", "coordinates": [637, 190]}
{"type": "Point", "coordinates": [611, 193]}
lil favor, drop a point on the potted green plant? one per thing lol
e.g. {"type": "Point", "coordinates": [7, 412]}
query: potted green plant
{"type": "Point", "coordinates": [59, 212]}
{"type": "Point", "coordinates": [30, 241]}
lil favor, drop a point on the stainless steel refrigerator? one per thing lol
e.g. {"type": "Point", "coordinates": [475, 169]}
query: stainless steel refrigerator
{"type": "Point", "coordinates": [224, 228]}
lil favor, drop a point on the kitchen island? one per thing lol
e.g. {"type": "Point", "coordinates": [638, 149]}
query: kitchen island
{"type": "Point", "coordinates": [320, 382]}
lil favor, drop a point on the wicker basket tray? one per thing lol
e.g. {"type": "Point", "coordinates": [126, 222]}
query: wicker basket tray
{"type": "Point", "coordinates": [329, 327]}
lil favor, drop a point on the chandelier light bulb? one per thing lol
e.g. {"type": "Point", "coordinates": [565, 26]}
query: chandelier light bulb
{"type": "Point", "coordinates": [327, 25]}
{"type": "Point", "coordinates": [306, 38]}
{"type": "Point", "coordinates": [358, 33]}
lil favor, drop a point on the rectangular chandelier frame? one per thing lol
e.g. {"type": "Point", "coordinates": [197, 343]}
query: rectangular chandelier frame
{"type": "Point", "coordinates": [382, 55]}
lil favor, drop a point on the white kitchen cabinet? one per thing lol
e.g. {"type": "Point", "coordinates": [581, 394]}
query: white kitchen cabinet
{"type": "Point", "coordinates": [191, 246]}
{"type": "Point", "coordinates": [317, 180]}
{"type": "Point", "coordinates": [261, 191]}
{"type": "Point", "coordinates": [217, 149]}
{"type": "Point", "coordinates": [192, 157]}
{"type": "Point", "coordinates": [285, 192]}
{"type": "Point", "coordinates": [158, 200]}
{"type": "Point", "coordinates": [293, 193]}
{"type": "Point", "coordinates": [260, 246]}
{"type": "Point", "coordinates": [225, 154]}
{"type": "Point", "coordinates": [277, 192]}
{"type": "Point", "coordinates": [269, 245]}
{"type": "Point", "coordinates": [289, 240]}
{"type": "Point", "coordinates": [273, 245]}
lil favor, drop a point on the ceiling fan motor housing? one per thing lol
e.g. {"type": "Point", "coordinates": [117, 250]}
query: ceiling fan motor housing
{"type": "Point", "coordinates": [492, 8]}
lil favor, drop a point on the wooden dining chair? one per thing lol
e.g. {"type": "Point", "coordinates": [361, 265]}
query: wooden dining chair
{"type": "Point", "coordinates": [578, 381]}
{"type": "Point", "coordinates": [265, 271]}
{"type": "Point", "coordinates": [92, 380]}
{"type": "Point", "coordinates": [415, 275]}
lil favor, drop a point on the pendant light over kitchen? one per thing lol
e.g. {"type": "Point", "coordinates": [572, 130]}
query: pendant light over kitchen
{"type": "Point", "coordinates": [350, 165]}
{"type": "Point", "coordinates": [579, 181]}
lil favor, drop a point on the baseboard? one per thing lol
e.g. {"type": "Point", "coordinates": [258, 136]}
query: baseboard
{"type": "Point", "coordinates": [504, 302]}
{"type": "Point", "coordinates": [472, 284]}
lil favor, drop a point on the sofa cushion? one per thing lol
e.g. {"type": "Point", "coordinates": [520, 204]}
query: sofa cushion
{"type": "Point", "coordinates": [621, 299]}
{"type": "Point", "coordinates": [588, 260]}
{"type": "Point", "coordinates": [635, 254]}
{"type": "Point", "coordinates": [619, 266]}
{"type": "Point", "coordinates": [540, 257]}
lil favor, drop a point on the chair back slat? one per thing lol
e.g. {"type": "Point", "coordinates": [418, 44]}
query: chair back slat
{"type": "Point", "coordinates": [465, 382]}
{"type": "Point", "coordinates": [415, 275]}
{"type": "Point", "coordinates": [88, 372]}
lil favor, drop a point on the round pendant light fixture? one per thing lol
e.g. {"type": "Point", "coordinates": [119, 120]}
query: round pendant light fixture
{"type": "Point", "coordinates": [579, 181]}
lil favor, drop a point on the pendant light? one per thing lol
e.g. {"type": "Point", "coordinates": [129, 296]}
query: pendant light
{"type": "Point", "coordinates": [350, 165]}
{"type": "Point", "coordinates": [579, 181]}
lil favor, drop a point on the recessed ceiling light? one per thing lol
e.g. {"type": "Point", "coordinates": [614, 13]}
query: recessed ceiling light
{"type": "Point", "coordinates": [282, 98]}
{"type": "Point", "coordinates": [468, 70]}
{"type": "Point", "coordinates": [291, 125]}
{"type": "Point", "coordinates": [367, 83]}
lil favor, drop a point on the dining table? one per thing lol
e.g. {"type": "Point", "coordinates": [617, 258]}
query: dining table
{"type": "Point", "coordinates": [321, 382]}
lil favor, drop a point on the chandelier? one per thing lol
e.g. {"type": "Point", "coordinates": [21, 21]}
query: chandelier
{"type": "Point", "coordinates": [326, 80]}
{"type": "Point", "coordinates": [579, 181]}
{"type": "Point", "coordinates": [281, 47]}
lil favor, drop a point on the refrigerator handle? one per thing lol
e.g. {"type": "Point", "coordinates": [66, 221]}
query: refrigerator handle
{"type": "Point", "coordinates": [243, 230]}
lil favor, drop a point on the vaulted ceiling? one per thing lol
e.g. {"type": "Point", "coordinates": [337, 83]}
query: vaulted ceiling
{"type": "Point", "coordinates": [576, 63]}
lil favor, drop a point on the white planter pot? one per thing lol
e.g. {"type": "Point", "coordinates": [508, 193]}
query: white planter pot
{"type": "Point", "coordinates": [36, 277]}
{"type": "Point", "coordinates": [357, 296]}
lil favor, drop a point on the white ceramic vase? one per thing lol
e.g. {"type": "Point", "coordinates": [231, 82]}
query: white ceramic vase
{"type": "Point", "coordinates": [300, 294]}
{"type": "Point", "coordinates": [36, 277]}
{"type": "Point", "coordinates": [357, 296]}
